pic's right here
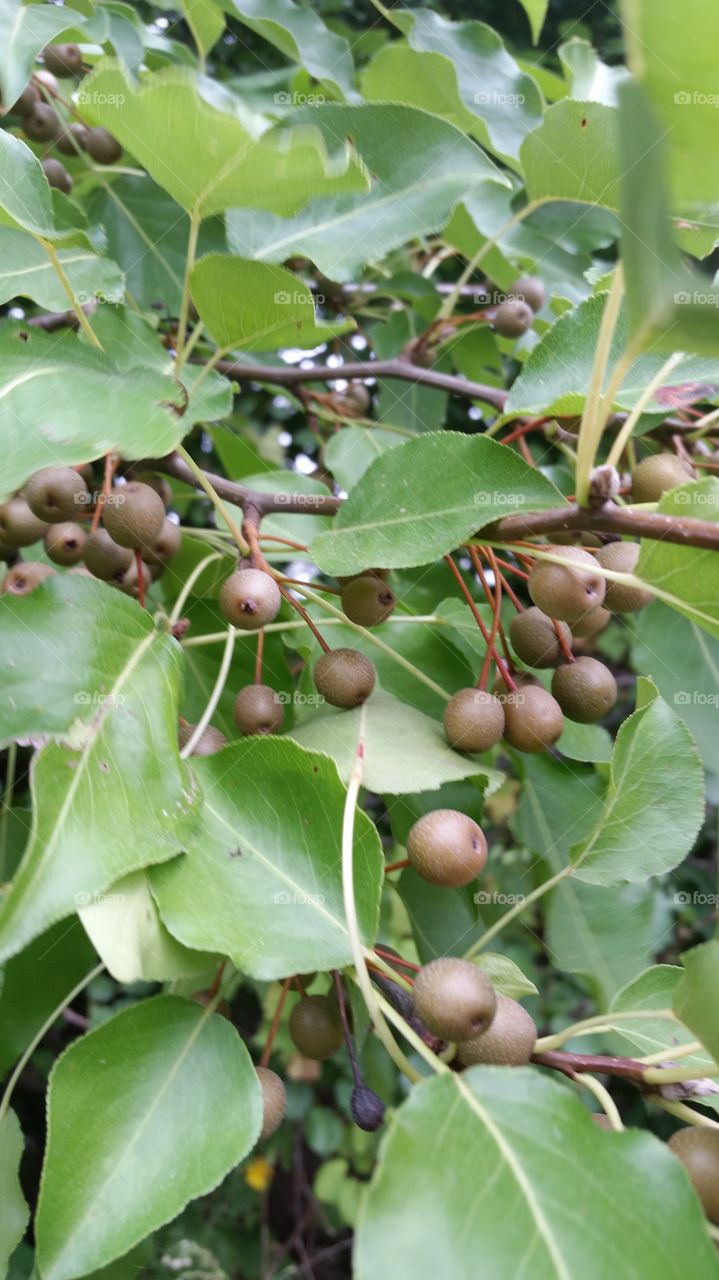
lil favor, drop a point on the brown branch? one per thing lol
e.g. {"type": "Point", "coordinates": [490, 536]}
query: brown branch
{"type": "Point", "coordinates": [573, 1064]}
{"type": "Point", "coordinates": [404, 370]}
{"type": "Point", "coordinates": [263, 504]}
{"type": "Point", "coordinates": [684, 531]}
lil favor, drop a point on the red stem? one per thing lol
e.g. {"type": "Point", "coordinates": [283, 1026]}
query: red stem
{"type": "Point", "coordinates": [267, 1051]}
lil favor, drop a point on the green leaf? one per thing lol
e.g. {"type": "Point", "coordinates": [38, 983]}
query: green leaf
{"type": "Point", "coordinates": [536, 11]}
{"type": "Point", "coordinates": [147, 234]}
{"type": "Point", "coordinates": [261, 880]}
{"type": "Point", "coordinates": [683, 661]}
{"type": "Point", "coordinates": [119, 26]}
{"type": "Point", "coordinates": [505, 975]}
{"type": "Point", "coordinates": [25, 199]}
{"type": "Point", "coordinates": [257, 307]}
{"type": "Point", "coordinates": [591, 79]}
{"type": "Point", "coordinates": [655, 801]}
{"type": "Point", "coordinates": [573, 155]}
{"type": "Point", "coordinates": [26, 30]}
{"type": "Point", "coordinates": [147, 1112]}
{"type": "Point", "coordinates": [165, 123]}
{"type": "Point", "coordinates": [206, 22]}
{"type": "Point", "coordinates": [113, 706]}
{"type": "Point", "coordinates": [654, 992]}
{"type": "Point", "coordinates": [349, 452]}
{"type": "Point", "coordinates": [35, 982]}
{"type": "Point", "coordinates": [41, 425]}
{"type": "Point", "coordinates": [686, 577]}
{"type": "Point", "coordinates": [421, 167]}
{"type": "Point", "coordinates": [26, 272]}
{"type": "Point", "coordinates": [449, 932]}
{"type": "Point", "coordinates": [423, 763]}
{"type": "Point", "coordinates": [462, 71]}
{"type": "Point", "coordinates": [511, 1206]}
{"type": "Point", "coordinates": [556, 375]}
{"type": "Point", "coordinates": [697, 993]}
{"type": "Point", "coordinates": [130, 938]}
{"type": "Point", "coordinates": [14, 1213]}
{"type": "Point", "coordinates": [421, 500]}
{"type": "Point", "coordinates": [298, 32]}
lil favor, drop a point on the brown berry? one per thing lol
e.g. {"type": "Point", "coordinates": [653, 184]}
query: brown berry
{"type": "Point", "coordinates": [249, 599]}
{"type": "Point", "coordinates": [447, 848]}
{"type": "Point", "coordinates": [454, 998]}
{"type": "Point", "coordinates": [535, 640]}
{"type": "Point", "coordinates": [344, 677]}
{"type": "Point", "coordinates": [64, 543]}
{"type": "Point", "coordinates": [509, 1041]}
{"type": "Point", "coordinates": [533, 719]}
{"type": "Point", "coordinates": [585, 689]}
{"type": "Point", "coordinates": [622, 557]}
{"type": "Point", "coordinates": [258, 709]}
{"type": "Point", "coordinates": [569, 590]}
{"type": "Point", "coordinates": [473, 720]}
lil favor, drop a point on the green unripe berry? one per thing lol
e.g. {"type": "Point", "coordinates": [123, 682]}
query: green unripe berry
{"type": "Point", "coordinates": [509, 1041]}
{"type": "Point", "coordinates": [654, 476]}
{"type": "Point", "coordinates": [585, 689]}
{"type": "Point", "coordinates": [134, 515]}
{"type": "Point", "coordinates": [258, 710]}
{"type": "Point", "coordinates": [622, 557]}
{"type": "Point", "coordinates": [274, 1101]}
{"type": "Point", "coordinates": [64, 543]}
{"type": "Point", "coordinates": [344, 677]}
{"type": "Point", "coordinates": [535, 640]}
{"type": "Point", "coordinates": [250, 599]}
{"type": "Point", "coordinates": [473, 720]}
{"type": "Point", "coordinates": [447, 848]}
{"type": "Point", "coordinates": [316, 1027]}
{"type": "Point", "coordinates": [569, 590]}
{"type": "Point", "coordinates": [56, 494]}
{"type": "Point", "coordinates": [454, 999]}
{"type": "Point", "coordinates": [367, 600]}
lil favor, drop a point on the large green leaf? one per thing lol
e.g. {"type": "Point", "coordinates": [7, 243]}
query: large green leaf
{"type": "Point", "coordinates": [420, 501]}
{"type": "Point", "coordinates": [14, 1212]}
{"type": "Point", "coordinates": [556, 375]}
{"type": "Point", "coordinates": [687, 577]}
{"type": "Point", "coordinates": [25, 199]}
{"type": "Point", "coordinates": [655, 802]}
{"type": "Point", "coordinates": [42, 424]}
{"type": "Point", "coordinates": [206, 22]}
{"type": "Point", "coordinates": [210, 159]}
{"type": "Point", "coordinates": [696, 995]}
{"type": "Point", "coordinates": [573, 155]}
{"type": "Point", "coordinates": [261, 880]}
{"type": "Point", "coordinates": [26, 30]}
{"type": "Point", "coordinates": [147, 234]}
{"type": "Point", "coordinates": [657, 1027]}
{"type": "Point", "coordinates": [26, 272]}
{"type": "Point", "coordinates": [298, 32]}
{"type": "Point", "coordinates": [110, 795]}
{"type": "Point", "coordinates": [421, 167]}
{"type": "Point", "coordinates": [423, 763]}
{"type": "Point", "coordinates": [35, 981]}
{"type": "Point", "coordinates": [683, 661]}
{"type": "Point", "coordinates": [145, 1113]}
{"type": "Point", "coordinates": [460, 70]}
{"type": "Point", "coordinates": [465, 1174]}
{"type": "Point", "coordinates": [256, 306]}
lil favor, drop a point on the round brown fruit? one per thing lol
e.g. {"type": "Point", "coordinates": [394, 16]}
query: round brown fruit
{"type": "Point", "coordinates": [105, 558]}
{"type": "Point", "coordinates": [533, 719]}
{"type": "Point", "coordinates": [535, 640]}
{"type": "Point", "coordinates": [134, 515]}
{"type": "Point", "coordinates": [447, 848]}
{"type": "Point", "coordinates": [64, 543]}
{"type": "Point", "coordinates": [41, 124]}
{"type": "Point", "coordinates": [621, 557]}
{"type": "Point", "coordinates": [62, 60]}
{"type": "Point", "coordinates": [590, 626]}
{"type": "Point", "coordinates": [698, 1150]}
{"type": "Point", "coordinates": [513, 318]}
{"type": "Point", "coordinates": [101, 146]}
{"type": "Point", "coordinates": [27, 100]}
{"type": "Point", "coordinates": [56, 494]}
{"type": "Point", "coordinates": [473, 720]}
{"type": "Point", "coordinates": [24, 578]}
{"type": "Point", "coordinates": [569, 590]}
{"type": "Point", "coordinates": [509, 1041]}
{"type": "Point", "coordinates": [531, 290]}
{"type": "Point", "coordinates": [57, 175]}
{"type": "Point", "coordinates": [209, 742]}
{"type": "Point", "coordinates": [654, 476]}
{"type": "Point", "coordinates": [367, 600]}
{"type": "Point", "coordinates": [274, 1101]}
{"type": "Point", "coordinates": [344, 677]}
{"type": "Point", "coordinates": [585, 689]}
{"type": "Point", "coordinates": [72, 139]}
{"type": "Point", "coordinates": [258, 709]}
{"type": "Point", "coordinates": [249, 599]}
{"type": "Point", "coordinates": [165, 546]}
{"type": "Point", "coordinates": [19, 526]}
{"type": "Point", "coordinates": [316, 1027]}
{"type": "Point", "coordinates": [454, 999]}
